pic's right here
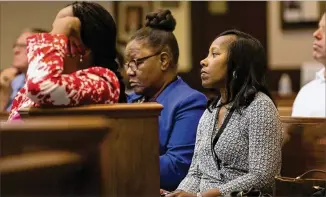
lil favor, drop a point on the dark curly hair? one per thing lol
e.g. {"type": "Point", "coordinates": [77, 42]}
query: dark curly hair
{"type": "Point", "coordinates": [158, 33]}
{"type": "Point", "coordinates": [98, 32]}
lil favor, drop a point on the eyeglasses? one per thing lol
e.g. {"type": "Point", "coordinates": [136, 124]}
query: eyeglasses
{"type": "Point", "coordinates": [133, 64]}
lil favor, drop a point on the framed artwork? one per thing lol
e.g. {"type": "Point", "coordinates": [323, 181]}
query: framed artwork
{"type": "Point", "coordinates": [170, 4]}
{"type": "Point", "coordinates": [130, 16]}
{"type": "Point", "coordinates": [218, 7]}
{"type": "Point", "coordinates": [300, 14]}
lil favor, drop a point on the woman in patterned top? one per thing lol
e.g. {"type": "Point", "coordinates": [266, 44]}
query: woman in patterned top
{"type": "Point", "coordinates": [247, 154]}
{"type": "Point", "coordinates": [75, 63]}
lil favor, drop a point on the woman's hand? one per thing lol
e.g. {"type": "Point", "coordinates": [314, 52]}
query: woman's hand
{"type": "Point", "coordinates": [162, 191]}
{"type": "Point", "coordinates": [7, 75]}
{"type": "Point", "coordinates": [209, 193]}
{"type": "Point", "coordinates": [180, 193]}
{"type": "Point", "coordinates": [68, 25]}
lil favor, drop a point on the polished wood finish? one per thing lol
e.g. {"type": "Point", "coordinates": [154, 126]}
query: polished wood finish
{"type": "Point", "coordinates": [284, 101]}
{"type": "Point", "coordinates": [4, 116]}
{"type": "Point", "coordinates": [42, 159]}
{"type": "Point", "coordinates": [297, 121]}
{"type": "Point", "coordinates": [122, 110]}
{"type": "Point", "coordinates": [45, 133]}
{"type": "Point", "coordinates": [285, 111]}
{"type": "Point", "coordinates": [130, 152]}
{"type": "Point", "coordinates": [304, 146]}
{"type": "Point", "coordinates": [51, 156]}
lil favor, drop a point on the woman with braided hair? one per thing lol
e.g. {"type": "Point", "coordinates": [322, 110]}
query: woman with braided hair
{"type": "Point", "coordinates": [151, 64]}
{"type": "Point", "coordinates": [75, 63]}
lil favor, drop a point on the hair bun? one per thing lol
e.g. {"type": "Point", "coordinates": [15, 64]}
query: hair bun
{"type": "Point", "coordinates": [161, 19]}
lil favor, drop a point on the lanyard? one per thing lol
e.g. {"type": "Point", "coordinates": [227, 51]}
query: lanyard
{"type": "Point", "coordinates": [218, 134]}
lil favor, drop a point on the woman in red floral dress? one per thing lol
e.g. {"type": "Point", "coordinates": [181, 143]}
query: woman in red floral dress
{"type": "Point", "coordinates": [74, 64]}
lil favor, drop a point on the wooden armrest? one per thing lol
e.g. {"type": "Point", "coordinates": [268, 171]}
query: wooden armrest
{"type": "Point", "coordinates": [37, 160]}
{"type": "Point", "coordinates": [302, 120]}
{"type": "Point", "coordinates": [116, 110]}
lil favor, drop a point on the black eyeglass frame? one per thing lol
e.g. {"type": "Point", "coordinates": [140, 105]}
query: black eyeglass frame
{"type": "Point", "coordinates": [134, 67]}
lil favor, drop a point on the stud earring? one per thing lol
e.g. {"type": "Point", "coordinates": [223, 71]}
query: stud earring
{"type": "Point", "coordinates": [234, 75]}
{"type": "Point", "coordinates": [81, 58]}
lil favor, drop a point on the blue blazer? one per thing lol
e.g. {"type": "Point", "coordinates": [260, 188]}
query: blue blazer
{"type": "Point", "coordinates": [16, 84]}
{"type": "Point", "coordinates": [178, 121]}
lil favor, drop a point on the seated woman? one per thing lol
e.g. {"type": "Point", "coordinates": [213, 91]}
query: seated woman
{"type": "Point", "coordinates": [239, 137]}
{"type": "Point", "coordinates": [75, 63]}
{"type": "Point", "coordinates": [151, 65]}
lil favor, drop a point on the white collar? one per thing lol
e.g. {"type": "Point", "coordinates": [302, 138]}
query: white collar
{"type": "Point", "coordinates": [320, 75]}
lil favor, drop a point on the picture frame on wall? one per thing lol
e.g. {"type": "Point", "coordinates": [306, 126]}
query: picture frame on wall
{"type": "Point", "coordinates": [300, 14]}
{"type": "Point", "coordinates": [130, 16]}
{"type": "Point", "coordinates": [170, 4]}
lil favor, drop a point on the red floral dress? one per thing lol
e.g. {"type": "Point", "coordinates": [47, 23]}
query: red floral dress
{"type": "Point", "coordinates": [46, 85]}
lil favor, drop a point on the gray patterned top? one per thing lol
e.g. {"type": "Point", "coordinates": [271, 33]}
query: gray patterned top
{"type": "Point", "coordinates": [249, 150]}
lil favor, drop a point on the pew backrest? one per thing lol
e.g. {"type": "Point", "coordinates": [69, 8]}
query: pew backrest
{"type": "Point", "coordinates": [51, 156]}
{"type": "Point", "coordinates": [284, 111]}
{"type": "Point", "coordinates": [304, 146]}
{"type": "Point", "coordinates": [58, 133]}
{"type": "Point", "coordinates": [4, 116]}
{"type": "Point", "coordinates": [130, 151]}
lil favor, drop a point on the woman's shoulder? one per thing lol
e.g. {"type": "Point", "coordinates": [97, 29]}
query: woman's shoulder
{"type": "Point", "coordinates": [185, 89]}
{"type": "Point", "coordinates": [262, 102]}
{"type": "Point", "coordinates": [261, 98]}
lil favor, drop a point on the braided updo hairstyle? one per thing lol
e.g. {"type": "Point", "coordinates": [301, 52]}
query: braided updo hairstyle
{"type": "Point", "coordinates": [158, 33]}
{"type": "Point", "coordinates": [98, 33]}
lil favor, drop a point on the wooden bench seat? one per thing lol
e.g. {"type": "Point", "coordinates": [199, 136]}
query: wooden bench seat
{"type": "Point", "coordinates": [51, 156]}
{"type": "Point", "coordinates": [130, 151]}
{"type": "Point", "coordinates": [304, 145]}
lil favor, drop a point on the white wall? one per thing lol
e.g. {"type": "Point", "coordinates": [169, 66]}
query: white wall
{"type": "Point", "coordinates": [0, 31]}
{"type": "Point", "coordinates": [16, 16]}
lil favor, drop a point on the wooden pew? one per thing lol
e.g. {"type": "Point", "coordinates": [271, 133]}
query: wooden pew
{"type": "Point", "coordinates": [284, 111]}
{"type": "Point", "coordinates": [4, 116]}
{"type": "Point", "coordinates": [284, 100]}
{"type": "Point", "coordinates": [304, 145]}
{"type": "Point", "coordinates": [51, 156]}
{"type": "Point", "coordinates": [130, 151]}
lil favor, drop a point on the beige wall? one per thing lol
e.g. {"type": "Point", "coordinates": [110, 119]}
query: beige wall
{"type": "Point", "coordinates": [182, 32]}
{"type": "Point", "coordinates": [0, 31]}
{"type": "Point", "coordinates": [16, 16]}
{"type": "Point", "coordinates": [286, 49]}
{"type": "Point", "coordinates": [41, 14]}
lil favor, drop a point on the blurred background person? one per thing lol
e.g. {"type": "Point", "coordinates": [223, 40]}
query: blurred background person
{"type": "Point", "coordinates": [121, 61]}
{"type": "Point", "coordinates": [311, 99]}
{"type": "Point", "coordinates": [12, 79]}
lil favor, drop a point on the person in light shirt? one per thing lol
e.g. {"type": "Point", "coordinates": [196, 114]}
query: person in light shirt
{"type": "Point", "coordinates": [12, 79]}
{"type": "Point", "coordinates": [311, 99]}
